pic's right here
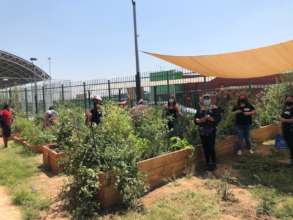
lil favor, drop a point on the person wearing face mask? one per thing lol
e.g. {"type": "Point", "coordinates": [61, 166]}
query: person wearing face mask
{"type": "Point", "coordinates": [172, 112]}
{"type": "Point", "coordinates": [243, 114]}
{"type": "Point", "coordinates": [207, 118]}
{"type": "Point", "coordinates": [287, 124]}
{"type": "Point", "coordinates": [95, 114]}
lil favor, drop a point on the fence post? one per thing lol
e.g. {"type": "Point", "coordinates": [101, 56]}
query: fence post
{"type": "Point", "coordinates": [155, 95]}
{"type": "Point", "coordinates": [84, 95]}
{"type": "Point", "coordinates": [119, 95]}
{"type": "Point", "coordinates": [62, 93]}
{"type": "Point", "coordinates": [168, 84]}
{"type": "Point", "coordinates": [10, 96]}
{"type": "Point", "coordinates": [109, 89]}
{"type": "Point", "coordinates": [26, 102]}
{"type": "Point", "coordinates": [36, 99]}
{"type": "Point", "coordinates": [44, 98]}
{"type": "Point", "coordinates": [205, 84]}
{"type": "Point", "coordinates": [89, 98]}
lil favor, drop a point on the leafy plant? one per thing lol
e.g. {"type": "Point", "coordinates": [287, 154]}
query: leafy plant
{"type": "Point", "coordinates": [270, 102]}
{"type": "Point", "coordinates": [112, 148]}
{"type": "Point", "coordinates": [178, 144]}
{"type": "Point", "coordinates": [152, 127]}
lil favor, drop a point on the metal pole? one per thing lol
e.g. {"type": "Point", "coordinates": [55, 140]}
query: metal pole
{"type": "Point", "coordinates": [44, 99]}
{"type": "Point", "coordinates": [26, 102]}
{"type": "Point", "coordinates": [168, 84]}
{"type": "Point", "coordinates": [84, 95]}
{"type": "Point", "coordinates": [62, 93]}
{"type": "Point", "coordinates": [89, 98]}
{"type": "Point", "coordinates": [155, 95]}
{"type": "Point", "coordinates": [109, 89]}
{"type": "Point", "coordinates": [137, 76]}
{"type": "Point", "coordinates": [119, 95]}
{"type": "Point", "coordinates": [10, 96]}
{"type": "Point", "coordinates": [205, 84]}
{"type": "Point", "coordinates": [50, 80]}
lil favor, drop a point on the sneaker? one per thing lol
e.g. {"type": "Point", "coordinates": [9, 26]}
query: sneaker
{"type": "Point", "coordinates": [239, 152]}
{"type": "Point", "coordinates": [251, 151]}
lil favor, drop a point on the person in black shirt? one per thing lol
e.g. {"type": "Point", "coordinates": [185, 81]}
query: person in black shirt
{"type": "Point", "coordinates": [207, 118]}
{"type": "Point", "coordinates": [244, 112]}
{"type": "Point", "coordinates": [172, 112]}
{"type": "Point", "coordinates": [95, 114]}
{"type": "Point", "coordinates": [287, 124]}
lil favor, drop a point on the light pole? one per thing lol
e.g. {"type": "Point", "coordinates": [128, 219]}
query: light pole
{"type": "Point", "coordinates": [137, 76]}
{"type": "Point", "coordinates": [32, 59]}
{"type": "Point", "coordinates": [50, 82]}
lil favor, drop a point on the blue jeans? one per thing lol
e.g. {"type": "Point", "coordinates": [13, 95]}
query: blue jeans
{"type": "Point", "coordinates": [243, 135]}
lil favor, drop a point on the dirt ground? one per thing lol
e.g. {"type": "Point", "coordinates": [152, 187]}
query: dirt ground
{"type": "Point", "coordinates": [49, 186]}
{"type": "Point", "coordinates": [7, 209]}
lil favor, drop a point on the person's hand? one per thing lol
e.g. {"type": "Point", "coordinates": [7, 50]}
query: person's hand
{"type": "Point", "coordinates": [282, 119]}
{"type": "Point", "coordinates": [247, 113]}
{"type": "Point", "coordinates": [238, 111]}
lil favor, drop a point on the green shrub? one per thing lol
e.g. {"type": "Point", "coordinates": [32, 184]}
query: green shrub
{"type": "Point", "coordinates": [152, 127]}
{"type": "Point", "coordinates": [270, 102]}
{"type": "Point", "coordinates": [113, 148]}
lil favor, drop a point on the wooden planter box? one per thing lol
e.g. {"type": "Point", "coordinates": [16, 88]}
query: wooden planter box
{"type": "Point", "coordinates": [158, 170]}
{"type": "Point", "coordinates": [51, 158]}
{"type": "Point", "coordinates": [265, 133]}
{"type": "Point", "coordinates": [18, 139]}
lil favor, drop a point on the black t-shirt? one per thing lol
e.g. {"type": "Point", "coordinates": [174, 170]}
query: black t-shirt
{"type": "Point", "coordinates": [209, 126]}
{"type": "Point", "coordinates": [242, 119]}
{"type": "Point", "coordinates": [287, 113]}
{"type": "Point", "coordinates": [96, 116]}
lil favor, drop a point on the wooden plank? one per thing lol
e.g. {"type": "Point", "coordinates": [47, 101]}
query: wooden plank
{"type": "Point", "coordinates": [163, 160]}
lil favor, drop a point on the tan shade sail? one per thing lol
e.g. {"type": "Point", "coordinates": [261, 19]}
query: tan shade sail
{"type": "Point", "coordinates": [264, 61]}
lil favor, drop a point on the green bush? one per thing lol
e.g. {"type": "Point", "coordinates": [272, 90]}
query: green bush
{"type": "Point", "coordinates": [271, 100]}
{"type": "Point", "coordinates": [33, 133]}
{"type": "Point", "coordinates": [113, 148]}
{"type": "Point", "coordinates": [152, 127]}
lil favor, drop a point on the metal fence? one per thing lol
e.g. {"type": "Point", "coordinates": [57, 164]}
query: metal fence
{"type": "Point", "coordinates": [156, 88]}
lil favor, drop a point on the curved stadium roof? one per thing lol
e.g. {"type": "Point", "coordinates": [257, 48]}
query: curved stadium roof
{"type": "Point", "coordinates": [17, 71]}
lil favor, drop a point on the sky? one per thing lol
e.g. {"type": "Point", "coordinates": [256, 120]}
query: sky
{"type": "Point", "coordinates": [93, 39]}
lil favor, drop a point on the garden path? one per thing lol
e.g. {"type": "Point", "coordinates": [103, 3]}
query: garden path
{"type": "Point", "coordinates": [7, 209]}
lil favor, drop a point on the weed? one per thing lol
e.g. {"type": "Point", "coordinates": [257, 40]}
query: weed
{"type": "Point", "coordinates": [224, 188]}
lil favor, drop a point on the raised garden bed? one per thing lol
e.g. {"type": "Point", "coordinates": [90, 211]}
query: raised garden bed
{"type": "Point", "coordinates": [51, 158]}
{"type": "Point", "coordinates": [158, 170]}
{"type": "Point", "coordinates": [265, 133]}
{"type": "Point", "coordinates": [18, 139]}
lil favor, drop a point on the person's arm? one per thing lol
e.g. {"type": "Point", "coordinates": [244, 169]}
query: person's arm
{"type": "Point", "coordinates": [252, 112]}
{"type": "Point", "coordinates": [236, 110]}
{"type": "Point", "coordinates": [216, 117]}
{"type": "Point", "coordinates": [198, 119]}
{"type": "Point", "coordinates": [284, 120]}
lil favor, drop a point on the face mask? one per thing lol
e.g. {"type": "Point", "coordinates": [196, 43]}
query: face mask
{"type": "Point", "coordinates": [171, 100]}
{"type": "Point", "coordinates": [206, 102]}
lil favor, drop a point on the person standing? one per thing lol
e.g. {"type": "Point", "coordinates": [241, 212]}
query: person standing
{"type": "Point", "coordinates": [6, 122]}
{"type": "Point", "coordinates": [243, 113]}
{"type": "Point", "coordinates": [207, 118]}
{"type": "Point", "coordinates": [94, 116]}
{"type": "Point", "coordinates": [172, 112]}
{"type": "Point", "coordinates": [287, 124]}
